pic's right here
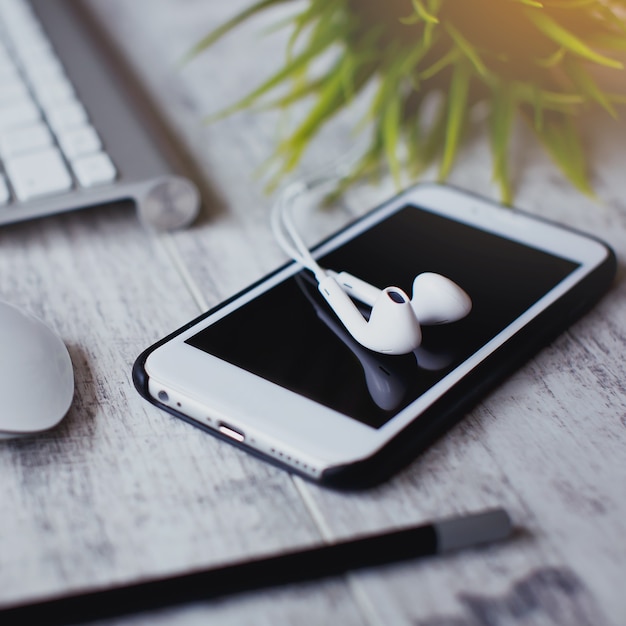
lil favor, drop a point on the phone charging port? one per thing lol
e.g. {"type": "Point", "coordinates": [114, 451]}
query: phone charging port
{"type": "Point", "coordinates": [231, 432]}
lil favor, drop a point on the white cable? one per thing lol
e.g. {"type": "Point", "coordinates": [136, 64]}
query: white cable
{"type": "Point", "coordinates": [285, 230]}
{"type": "Point", "coordinates": [288, 239]}
{"type": "Point", "coordinates": [284, 226]}
{"type": "Point", "coordinates": [292, 231]}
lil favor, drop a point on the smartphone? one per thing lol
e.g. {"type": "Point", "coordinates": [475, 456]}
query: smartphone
{"type": "Point", "coordinates": [273, 371]}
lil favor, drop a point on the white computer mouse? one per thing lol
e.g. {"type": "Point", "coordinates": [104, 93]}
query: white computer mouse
{"type": "Point", "coordinates": [36, 376]}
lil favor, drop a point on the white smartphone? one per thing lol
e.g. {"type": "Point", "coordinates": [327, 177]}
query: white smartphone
{"type": "Point", "coordinates": [273, 371]}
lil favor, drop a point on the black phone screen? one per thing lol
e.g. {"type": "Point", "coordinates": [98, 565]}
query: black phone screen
{"type": "Point", "coordinates": [289, 335]}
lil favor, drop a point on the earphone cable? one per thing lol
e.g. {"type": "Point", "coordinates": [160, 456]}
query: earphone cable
{"type": "Point", "coordinates": [286, 232]}
{"type": "Point", "coordinates": [284, 227]}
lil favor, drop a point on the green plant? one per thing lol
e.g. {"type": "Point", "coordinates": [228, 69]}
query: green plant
{"type": "Point", "coordinates": [522, 57]}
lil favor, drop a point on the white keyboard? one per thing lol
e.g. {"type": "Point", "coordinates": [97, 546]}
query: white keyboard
{"type": "Point", "coordinates": [71, 134]}
{"type": "Point", "coordinates": [47, 143]}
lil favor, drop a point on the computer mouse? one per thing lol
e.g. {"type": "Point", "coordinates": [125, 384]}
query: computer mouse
{"type": "Point", "coordinates": [36, 375]}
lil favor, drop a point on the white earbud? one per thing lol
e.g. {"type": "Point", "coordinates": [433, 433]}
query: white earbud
{"type": "Point", "coordinates": [435, 300]}
{"type": "Point", "coordinates": [392, 327]}
{"type": "Point", "coordinates": [394, 323]}
{"type": "Point", "coordinates": [438, 300]}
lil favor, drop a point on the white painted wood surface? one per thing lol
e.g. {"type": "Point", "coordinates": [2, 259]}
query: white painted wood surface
{"type": "Point", "coordinates": [122, 491]}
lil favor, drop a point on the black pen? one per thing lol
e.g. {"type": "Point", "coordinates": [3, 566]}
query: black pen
{"type": "Point", "coordinates": [312, 563]}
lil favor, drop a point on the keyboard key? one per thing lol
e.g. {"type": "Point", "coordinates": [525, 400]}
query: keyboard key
{"type": "Point", "coordinates": [18, 113]}
{"type": "Point", "coordinates": [4, 55]}
{"type": "Point", "coordinates": [16, 16]}
{"type": "Point", "coordinates": [33, 47]}
{"type": "Point", "coordinates": [53, 91]}
{"type": "Point", "coordinates": [27, 139]}
{"type": "Point", "coordinates": [12, 89]}
{"type": "Point", "coordinates": [7, 66]}
{"type": "Point", "coordinates": [14, 8]}
{"type": "Point", "coordinates": [4, 191]}
{"type": "Point", "coordinates": [66, 116]}
{"type": "Point", "coordinates": [95, 169]}
{"type": "Point", "coordinates": [38, 174]}
{"type": "Point", "coordinates": [21, 25]}
{"type": "Point", "coordinates": [79, 142]}
{"type": "Point", "coordinates": [41, 67]}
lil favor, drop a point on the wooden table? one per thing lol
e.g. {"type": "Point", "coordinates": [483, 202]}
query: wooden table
{"type": "Point", "coordinates": [122, 491]}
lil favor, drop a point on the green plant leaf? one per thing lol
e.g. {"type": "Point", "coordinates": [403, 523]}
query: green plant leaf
{"type": "Point", "coordinates": [586, 85]}
{"type": "Point", "coordinates": [434, 6]}
{"type": "Point", "coordinates": [553, 59]}
{"type": "Point", "coordinates": [424, 14]}
{"type": "Point", "coordinates": [565, 38]}
{"type": "Point", "coordinates": [317, 16]}
{"type": "Point", "coordinates": [387, 88]}
{"type": "Point", "coordinates": [289, 70]}
{"type": "Point", "coordinates": [467, 48]}
{"type": "Point", "coordinates": [391, 127]}
{"type": "Point", "coordinates": [609, 42]}
{"type": "Point", "coordinates": [501, 121]}
{"type": "Point", "coordinates": [300, 90]}
{"type": "Point", "coordinates": [448, 59]}
{"type": "Point", "coordinates": [457, 111]}
{"type": "Point", "coordinates": [569, 4]}
{"type": "Point", "coordinates": [225, 28]}
{"type": "Point", "coordinates": [430, 146]}
{"type": "Point", "coordinates": [560, 137]}
{"type": "Point", "coordinates": [435, 139]}
{"type": "Point", "coordinates": [330, 99]}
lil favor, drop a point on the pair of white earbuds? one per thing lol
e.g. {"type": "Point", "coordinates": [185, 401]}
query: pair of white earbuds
{"type": "Point", "coordinates": [395, 320]}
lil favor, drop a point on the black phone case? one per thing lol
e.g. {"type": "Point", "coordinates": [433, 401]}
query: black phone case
{"type": "Point", "coordinates": [449, 409]}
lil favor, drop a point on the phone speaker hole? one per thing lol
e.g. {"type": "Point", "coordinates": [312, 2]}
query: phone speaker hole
{"type": "Point", "coordinates": [285, 458]}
